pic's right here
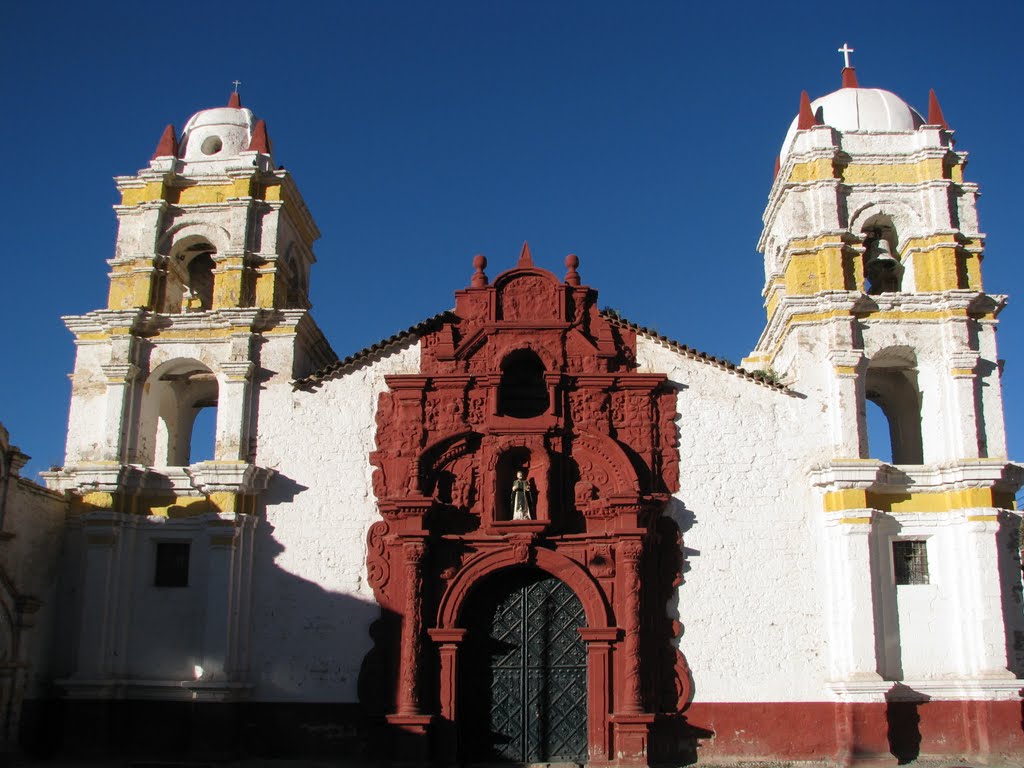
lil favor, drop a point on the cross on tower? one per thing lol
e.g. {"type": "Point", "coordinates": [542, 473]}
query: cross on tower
{"type": "Point", "coordinates": [237, 83]}
{"type": "Point", "coordinates": [846, 50]}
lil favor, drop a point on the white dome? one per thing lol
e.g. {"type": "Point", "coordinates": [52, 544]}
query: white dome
{"type": "Point", "coordinates": [860, 109]}
{"type": "Point", "coordinates": [217, 134]}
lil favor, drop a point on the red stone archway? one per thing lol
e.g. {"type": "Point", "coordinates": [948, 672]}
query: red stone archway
{"type": "Point", "coordinates": [601, 461]}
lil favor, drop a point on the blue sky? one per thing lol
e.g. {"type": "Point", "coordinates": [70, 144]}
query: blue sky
{"type": "Point", "coordinates": [640, 136]}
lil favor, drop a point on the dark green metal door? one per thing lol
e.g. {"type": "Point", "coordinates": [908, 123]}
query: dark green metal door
{"type": "Point", "coordinates": [526, 677]}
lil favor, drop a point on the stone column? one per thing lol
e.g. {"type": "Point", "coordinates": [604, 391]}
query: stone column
{"type": "Point", "coordinates": [629, 553]}
{"type": "Point", "coordinates": [412, 634]}
{"type": "Point", "coordinates": [979, 598]}
{"type": "Point", "coordinates": [99, 589]}
{"type": "Point", "coordinates": [599, 649]}
{"type": "Point", "coordinates": [222, 540]}
{"type": "Point", "coordinates": [850, 604]}
{"type": "Point", "coordinates": [448, 641]}
{"type": "Point", "coordinates": [961, 420]}
{"type": "Point", "coordinates": [847, 403]}
{"type": "Point", "coordinates": [411, 743]}
{"type": "Point", "coordinates": [118, 419]}
{"type": "Point", "coordinates": [233, 409]}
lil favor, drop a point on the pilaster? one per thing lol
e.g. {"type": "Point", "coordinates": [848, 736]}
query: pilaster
{"type": "Point", "coordinates": [850, 605]}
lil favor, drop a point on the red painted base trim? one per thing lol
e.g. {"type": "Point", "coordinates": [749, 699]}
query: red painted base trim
{"type": "Point", "coordinates": [827, 730]}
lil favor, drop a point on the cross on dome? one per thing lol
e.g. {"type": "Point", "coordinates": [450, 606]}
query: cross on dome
{"type": "Point", "coordinates": [846, 50]}
{"type": "Point", "coordinates": [237, 83]}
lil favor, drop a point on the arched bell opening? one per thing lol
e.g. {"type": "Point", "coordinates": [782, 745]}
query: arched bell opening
{"type": "Point", "coordinates": [523, 691]}
{"type": "Point", "coordinates": [891, 385]}
{"type": "Point", "coordinates": [175, 394]}
{"type": "Point", "coordinates": [184, 281]}
{"type": "Point", "coordinates": [199, 296]}
{"type": "Point", "coordinates": [523, 391]}
{"type": "Point", "coordinates": [883, 269]}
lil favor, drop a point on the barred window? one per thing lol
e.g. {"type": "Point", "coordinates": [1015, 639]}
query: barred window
{"type": "Point", "coordinates": [171, 564]}
{"type": "Point", "coordinates": [910, 562]}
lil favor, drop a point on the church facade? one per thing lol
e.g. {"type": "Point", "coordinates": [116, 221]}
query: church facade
{"type": "Point", "coordinates": [529, 530]}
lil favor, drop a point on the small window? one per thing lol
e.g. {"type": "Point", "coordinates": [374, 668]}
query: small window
{"type": "Point", "coordinates": [171, 564]}
{"type": "Point", "coordinates": [910, 562]}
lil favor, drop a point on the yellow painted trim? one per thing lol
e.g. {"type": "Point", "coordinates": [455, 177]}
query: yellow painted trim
{"type": "Point", "coordinates": [983, 518]}
{"type": "Point", "coordinates": [854, 520]}
{"type": "Point", "coordinates": [845, 370]}
{"type": "Point", "coordinates": [942, 501]}
{"type": "Point", "coordinates": [292, 202]}
{"type": "Point", "coordinates": [272, 192]}
{"type": "Point", "coordinates": [928, 169]}
{"type": "Point", "coordinates": [848, 498]}
{"type": "Point", "coordinates": [822, 168]}
{"type": "Point", "coordinates": [153, 190]}
{"type": "Point", "coordinates": [170, 506]}
{"type": "Point", "coordinates": [98, 500]}
{"type": "Point", "coordinates": [198, 194]}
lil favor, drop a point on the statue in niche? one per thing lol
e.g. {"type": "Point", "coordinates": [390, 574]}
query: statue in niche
{"type": "Point", "coordinates": [520, 501]}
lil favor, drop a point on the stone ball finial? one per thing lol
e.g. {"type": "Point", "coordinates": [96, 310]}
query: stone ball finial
{"type": "Point", "coordinates": [479, 264]}
{"type": "Point", "coordinates": [572, 277]}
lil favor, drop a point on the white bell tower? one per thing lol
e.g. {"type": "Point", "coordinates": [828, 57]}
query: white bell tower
{"type": "Point", "coordinates": [207, 301]}
{"type": "Point", "coordinates": [873, 291]}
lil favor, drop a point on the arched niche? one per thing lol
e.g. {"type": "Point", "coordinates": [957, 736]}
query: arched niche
{"type": "Point", "coordinates": [509, 463]}
{"type": "Point", "coordinates": [505, 456]}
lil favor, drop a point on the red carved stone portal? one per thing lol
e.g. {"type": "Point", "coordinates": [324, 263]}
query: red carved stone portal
{"type": "Point", "coordinates": [526, 376]}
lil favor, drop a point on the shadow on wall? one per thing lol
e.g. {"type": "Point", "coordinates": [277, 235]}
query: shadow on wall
{"type": "Point", "coordinates": [903, 718]}
{"type": "Point", "coordinates": [306, 653]}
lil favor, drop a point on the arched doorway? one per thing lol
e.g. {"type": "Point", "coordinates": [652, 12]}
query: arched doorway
{"type": "Point", "coordinates": [524, 683]}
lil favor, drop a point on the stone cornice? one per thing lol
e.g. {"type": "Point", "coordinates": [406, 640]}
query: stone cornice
{"type": "Point", "coordinates": [879, 477]}
{"type": "Point", "coordinates": [145, 323]}
{"type": "Point", "coordinates": [202, 478]}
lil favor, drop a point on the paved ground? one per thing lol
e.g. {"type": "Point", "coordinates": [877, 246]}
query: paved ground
{"type": "Point", "coordinates": [341, 763]}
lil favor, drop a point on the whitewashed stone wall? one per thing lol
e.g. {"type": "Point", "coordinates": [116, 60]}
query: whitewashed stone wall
{"type": "Point", "coordinates": [313, 609]}
{"type": "Point", "coordinates": [31, 562]}
{"type": "Point", "coordinates": [751, 600]}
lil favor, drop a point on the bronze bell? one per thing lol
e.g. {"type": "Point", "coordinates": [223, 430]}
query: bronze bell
{"type": "Point", "coordinates": [880, 255]}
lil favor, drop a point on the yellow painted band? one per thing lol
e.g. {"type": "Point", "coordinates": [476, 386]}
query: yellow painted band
{"type": "Point", "coordinates": [943, 501]}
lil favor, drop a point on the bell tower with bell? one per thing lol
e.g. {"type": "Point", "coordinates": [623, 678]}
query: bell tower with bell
{"type": "Point", "coordinates": [874, 297]}
{"type": "Point", "coordinates": [210, 273]}
{"type": "Point", "coordinates": [873, 253]}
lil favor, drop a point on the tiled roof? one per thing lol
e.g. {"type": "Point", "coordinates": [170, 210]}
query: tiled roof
{"type": "Point", "coordinates": [364, 356]}
{"type": "Point", "coordinates": [616, 319]}
{"type": "Point", "coordinates": [372, 353]}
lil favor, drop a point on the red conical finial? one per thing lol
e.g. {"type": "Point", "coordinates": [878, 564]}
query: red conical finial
{"type": "Point", "coordinates": [259, 141]}
{"type": "Point", "coordinates": [935, 116]}
{"type": "Point", "coordinates": [805, 118]}
{"type": "Point", "coordinates": [168, 144]}
{"type": "Point", "coordinates": [479, 278]}
{"type": "Point", "coordinates": [778, 167]}
{"type": "Point", "coordinates": [572, 277]}
{"type": "Point", "coordinates": [525, 259]}
{"type": "Point", "coordinates": [235, 100]}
